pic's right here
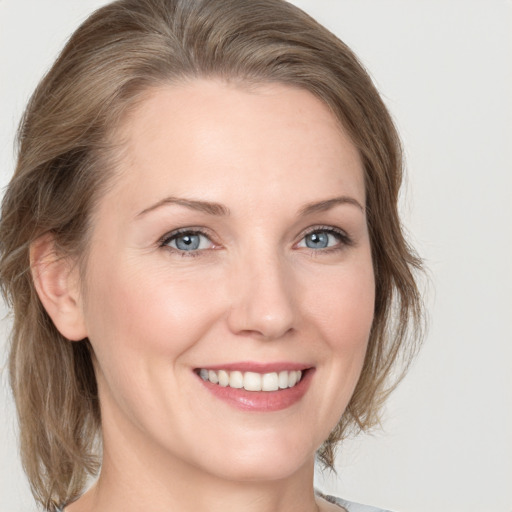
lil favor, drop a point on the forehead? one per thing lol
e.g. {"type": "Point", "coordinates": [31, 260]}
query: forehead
{"type": "Point", "coordinates": [212, 138]}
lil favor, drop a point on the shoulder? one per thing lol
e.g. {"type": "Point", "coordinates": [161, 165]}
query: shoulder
{"type": "Point", "coordinates": [350, 506]}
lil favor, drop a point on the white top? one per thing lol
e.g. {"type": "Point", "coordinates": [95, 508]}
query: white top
{"type": "Point", "coordinates": [350, 506]}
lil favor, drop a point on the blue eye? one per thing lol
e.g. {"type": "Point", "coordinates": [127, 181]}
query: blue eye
{"type": "Point", "coordinates": [188, 241]}
{"type": "Point", "coordinates": [317, 240]}
{"type": "Point", "coordinates": [323, 239]}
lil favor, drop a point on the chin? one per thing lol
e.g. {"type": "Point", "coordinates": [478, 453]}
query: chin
{"type": "Point", "coordinates": [260, 462]}
{"type": "Point", "coordinates": [258, 471]}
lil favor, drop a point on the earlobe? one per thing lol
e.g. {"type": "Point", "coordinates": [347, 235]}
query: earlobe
{"type": "Point", "coordinates": [56, 279]}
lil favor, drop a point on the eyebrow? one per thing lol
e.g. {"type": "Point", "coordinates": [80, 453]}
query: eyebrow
{"type": "Point", "coordinates": [201, 206]}
{"type": "Point", "coordinates": [218, 209]}
{"type": "Point", "coordinates": [322, 206]}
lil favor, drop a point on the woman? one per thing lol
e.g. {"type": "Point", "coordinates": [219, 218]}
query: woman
{"type": "Point", "coordinates": [202, 250]}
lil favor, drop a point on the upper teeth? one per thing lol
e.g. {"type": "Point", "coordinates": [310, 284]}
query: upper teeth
{"type": "Point", "coordinates": [252, 381]}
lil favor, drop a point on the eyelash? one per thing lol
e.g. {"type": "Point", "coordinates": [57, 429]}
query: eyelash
{"type": "Point", "coordinates": [344, 239]}
{"type": "Point", "coordinates": [169, 237]}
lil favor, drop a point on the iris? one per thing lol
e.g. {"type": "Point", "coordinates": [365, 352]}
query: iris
{"type": "Point", "coordinates": [317, 240]}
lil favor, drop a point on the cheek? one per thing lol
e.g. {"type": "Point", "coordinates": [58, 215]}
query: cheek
{"type": "Point", "coordinates": [343, 314]}
{"type": "Point", "coordinates": [145, 312]}
{"type": "Point", "coordinates": [140, 324]}
{"type": "Point", "coordinates": [343, 308]}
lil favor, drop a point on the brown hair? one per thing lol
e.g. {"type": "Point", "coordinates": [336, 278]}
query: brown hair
{"type": "Point", "coordinates": [66, 157]}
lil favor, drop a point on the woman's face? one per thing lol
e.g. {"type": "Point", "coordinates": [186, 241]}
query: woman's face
{"type": "Point", "coordinates": [232, 247]}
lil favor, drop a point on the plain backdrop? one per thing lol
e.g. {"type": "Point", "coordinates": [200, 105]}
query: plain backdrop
{"type": "Point", "coordinates": [444, 68]}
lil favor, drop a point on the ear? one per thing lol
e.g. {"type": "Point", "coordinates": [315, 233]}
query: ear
{"type": "Point", "coordinates": [56, 279]}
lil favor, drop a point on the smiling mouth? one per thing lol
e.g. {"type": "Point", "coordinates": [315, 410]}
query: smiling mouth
{"type": "Point", "coordinates": [252, 381]}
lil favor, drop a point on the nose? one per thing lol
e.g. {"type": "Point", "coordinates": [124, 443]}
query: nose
{"type": "Point", "coordinates": [262, 302]}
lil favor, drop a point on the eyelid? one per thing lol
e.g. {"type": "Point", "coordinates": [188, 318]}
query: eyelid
{"type": "Point", "coordinates": [171, 235]}
{"type": "Point", "coordinates": [345, 239]}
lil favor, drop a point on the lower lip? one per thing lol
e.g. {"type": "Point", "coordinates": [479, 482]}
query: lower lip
{"type": "Point", "coordinates": [261, 401]}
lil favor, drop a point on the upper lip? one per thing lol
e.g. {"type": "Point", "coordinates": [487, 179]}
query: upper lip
{"type": "Point", "coordinates": [258, 367]}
